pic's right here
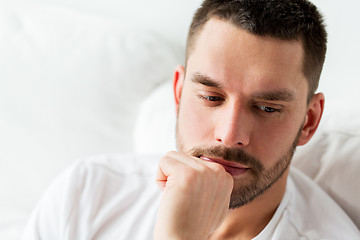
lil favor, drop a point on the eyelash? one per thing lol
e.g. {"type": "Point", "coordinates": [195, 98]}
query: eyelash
{"type": "Point", "coordinates": [268, 109]}
{"type": "Point", "coordinates": [262, 108]}
{"type": "Point", "coordinates": [210, 98]}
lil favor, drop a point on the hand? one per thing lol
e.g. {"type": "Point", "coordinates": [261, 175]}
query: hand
{"type": "Point", "coordinates": [195, 199]}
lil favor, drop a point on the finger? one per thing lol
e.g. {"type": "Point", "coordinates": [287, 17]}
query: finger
{"type": "Point", "coordinates": [169, 166]}
{"type": "Point", "coordinates": [161, 179]}
{"type": "Point", "coordinates": [186, 159]}
{"type": "Point", "coordinates": [194, 162]}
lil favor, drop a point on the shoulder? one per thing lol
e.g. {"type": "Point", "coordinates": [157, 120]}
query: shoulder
{"type": "Point", "coordinates": [311, 214]}
{"type": "Point", "coordinates": [117, 164]}
{"type": "Point", "coordinates": [109, 174]}
{"type": "Point", "coordinates": [83, 199]}
{"type": "Point", "coordinates": [99, 168]}
{"type": "Point", "coordinates": [104, 173]}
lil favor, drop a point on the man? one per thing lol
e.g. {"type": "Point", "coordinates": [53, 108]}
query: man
{"type": "Point", "coordinates": [245, 100]}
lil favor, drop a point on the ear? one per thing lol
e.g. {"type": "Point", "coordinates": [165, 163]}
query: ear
{"type": "Point", "coordinates": [178, 81]}
{"type": "Point", "coordinates": [312, 119]}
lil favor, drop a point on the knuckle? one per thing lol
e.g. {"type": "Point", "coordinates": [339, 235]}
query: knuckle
{"type": "Point", "coordinates": [202, 169]}
{"type": "Point", "coordinates": [218, 168]}
{"type": "Point", "coordinates": [170, 154]}
{"type": "Point", "coordinates": [166, 158]}
{"type": "Point", "coordinates": [229, 181]}
{"type": "Point", "coordinates": [190, 175]}
{"type": "Point", "coordinates": [165, 161]}
{"type": "Point", "coordinates": [189, 179]}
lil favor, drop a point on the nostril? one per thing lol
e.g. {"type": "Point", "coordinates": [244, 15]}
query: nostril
{"type": "Point", "coordinates": [221, 141]}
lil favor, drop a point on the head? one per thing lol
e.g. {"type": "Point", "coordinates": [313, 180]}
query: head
{"type": "Point", "coordinates": [247, 93]}
{"type": "Point", "coordinates": [288, 20]}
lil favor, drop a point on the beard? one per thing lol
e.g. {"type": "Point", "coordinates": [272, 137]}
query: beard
{"type": "Point", "coordinates": [260, 179]}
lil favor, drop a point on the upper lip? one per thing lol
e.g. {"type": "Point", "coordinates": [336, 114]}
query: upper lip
{"type": "Point", "coordinates": [224, 162]}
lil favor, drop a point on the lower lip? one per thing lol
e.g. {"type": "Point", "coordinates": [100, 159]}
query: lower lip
{"type": "Point", "coordinates": [234, 171]}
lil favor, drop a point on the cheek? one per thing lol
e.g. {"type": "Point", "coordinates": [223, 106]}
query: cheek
{"type": "Point", "coordinates": [273, 140]}
{"type": "Point", "coordinates": [194, 122]}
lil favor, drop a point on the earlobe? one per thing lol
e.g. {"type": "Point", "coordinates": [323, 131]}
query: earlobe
{"type": "Point", "coordinates": [178, 81]}
{"type": "Point", "coordinates": [312, 119]}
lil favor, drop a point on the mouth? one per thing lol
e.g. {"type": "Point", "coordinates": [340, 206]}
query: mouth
{"type": "Point", "coordinates": [235, 169]}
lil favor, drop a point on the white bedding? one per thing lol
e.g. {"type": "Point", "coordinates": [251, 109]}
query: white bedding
{"type": "Point", "coordinates": [70, 85]}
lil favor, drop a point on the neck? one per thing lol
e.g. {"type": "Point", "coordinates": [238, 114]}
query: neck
{"type": "Point", "coordinates": [248, 221]}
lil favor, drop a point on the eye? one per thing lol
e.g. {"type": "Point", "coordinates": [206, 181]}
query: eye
{"type": "Point", "coordinates": [268, 109]}
{"type": "Point", "coordinates": [211, 98]}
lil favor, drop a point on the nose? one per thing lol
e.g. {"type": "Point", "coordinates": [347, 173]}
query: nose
{"type": "Point", "coordinates": [233, 126]}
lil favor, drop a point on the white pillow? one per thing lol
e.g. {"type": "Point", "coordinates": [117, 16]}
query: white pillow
{"type": "Point", "coordinates": [70, 85]}
{"type": "Point", "coordinates": [331, 158]}
{"type": "Point", "coordinates": [156, 122]}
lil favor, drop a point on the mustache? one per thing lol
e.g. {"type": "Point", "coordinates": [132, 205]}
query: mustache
{"type": "Point", "coordinates": [229, 154]}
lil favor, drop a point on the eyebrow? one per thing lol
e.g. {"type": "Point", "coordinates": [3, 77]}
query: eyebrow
{"type": "Point", "coordinates": [276, 95]}
{"type": "Point", "coordinates": [205, 80]}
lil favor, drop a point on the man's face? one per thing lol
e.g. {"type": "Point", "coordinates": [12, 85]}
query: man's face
{"type": "Point", "coordinates": [242, 103]}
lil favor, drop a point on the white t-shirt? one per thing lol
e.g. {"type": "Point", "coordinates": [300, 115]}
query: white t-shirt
{"type": "Point", "coordinates": [116, 197]}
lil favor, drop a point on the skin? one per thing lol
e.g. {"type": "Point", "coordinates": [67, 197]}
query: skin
{"type": "Point", "coordinates": [239, 91]}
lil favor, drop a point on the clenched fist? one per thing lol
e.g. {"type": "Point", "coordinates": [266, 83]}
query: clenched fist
{"type": "Point", "coordinates": [195, 199]}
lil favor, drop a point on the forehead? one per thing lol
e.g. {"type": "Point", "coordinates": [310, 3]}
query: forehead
{"type": "Point", "coordinates": [225, 52]}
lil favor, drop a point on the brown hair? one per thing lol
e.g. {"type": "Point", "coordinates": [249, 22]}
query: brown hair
{"type": "Point", "coordinates": [283, 19]}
